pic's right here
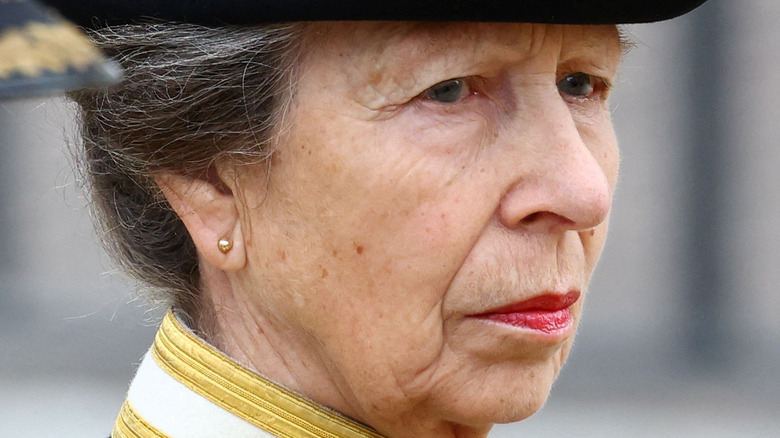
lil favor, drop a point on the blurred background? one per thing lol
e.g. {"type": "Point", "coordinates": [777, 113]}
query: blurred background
{"type": "Point", "coordinates": [681, 334]}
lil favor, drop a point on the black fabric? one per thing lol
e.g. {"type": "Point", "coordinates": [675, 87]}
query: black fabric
{"type": "Point", "coordinates": [20, 13]}
{"type": "Point", "coordinates": [97, 13]}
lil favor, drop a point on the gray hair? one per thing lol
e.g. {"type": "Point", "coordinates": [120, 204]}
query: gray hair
{"type": "Point", "coordinates": [191, 95]}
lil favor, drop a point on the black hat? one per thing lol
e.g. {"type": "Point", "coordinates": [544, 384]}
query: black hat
{"type": "Point", "coordinates": [97, 13]}
{"type": "Point", "coordinates": [41, 53]}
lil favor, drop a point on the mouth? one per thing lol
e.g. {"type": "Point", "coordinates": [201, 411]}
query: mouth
{"type": "Point", "coordinates": [549, 313]}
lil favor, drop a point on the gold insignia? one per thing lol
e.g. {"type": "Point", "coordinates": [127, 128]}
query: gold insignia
{"type": "Point", "coordinates": [38, 48]}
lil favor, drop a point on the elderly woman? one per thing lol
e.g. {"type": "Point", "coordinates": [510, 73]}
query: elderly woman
{"type": "Point", "coordinates": [363, 229]}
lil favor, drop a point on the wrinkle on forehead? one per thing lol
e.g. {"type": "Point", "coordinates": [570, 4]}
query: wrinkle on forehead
{"type": "Point", "coordinates": [593, 41]}
{"type": "Point", "coordinates": [377, 39]}
{"type": "Point", "coordinates": [388, 63]}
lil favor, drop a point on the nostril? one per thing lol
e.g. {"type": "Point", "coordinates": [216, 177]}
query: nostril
{"type": "Point", "coordinates": [530, 218]}
{"type": "Point", "coordinates": [547, 218]}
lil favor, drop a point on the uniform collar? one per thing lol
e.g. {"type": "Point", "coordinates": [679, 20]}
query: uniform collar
{"type": "Point", "coordinates": [181, 370]}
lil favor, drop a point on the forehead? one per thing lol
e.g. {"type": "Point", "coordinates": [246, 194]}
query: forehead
{"type": "Point", "coordinates": [377, 40]}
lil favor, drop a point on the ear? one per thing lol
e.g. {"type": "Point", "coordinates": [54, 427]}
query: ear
{"type": "Point", "coordinates": [209, 211]}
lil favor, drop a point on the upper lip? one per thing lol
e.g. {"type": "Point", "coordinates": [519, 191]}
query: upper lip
{"type": "Point", "coordinates": [545, 302]}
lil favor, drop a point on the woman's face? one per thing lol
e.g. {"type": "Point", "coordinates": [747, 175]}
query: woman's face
{"type": "Point", "coordinates": [419, 251]}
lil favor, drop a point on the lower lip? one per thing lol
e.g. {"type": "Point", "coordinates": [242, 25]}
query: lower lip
{"type": "Point", "coordinates": [546, 315]}
{"type": "Point", "coordinates": [547, 322]}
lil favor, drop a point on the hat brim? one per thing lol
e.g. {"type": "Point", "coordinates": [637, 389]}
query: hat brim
{"type": "Point", "coordinates": [98, 13]}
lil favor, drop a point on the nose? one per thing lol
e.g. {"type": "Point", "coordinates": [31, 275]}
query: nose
{"type": "Point", "coordinates": [558, 184]}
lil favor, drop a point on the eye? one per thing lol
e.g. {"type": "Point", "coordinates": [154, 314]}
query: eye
{"type": "Point", "coordinates": [577, 84]}
{"type": "Point", "coordinates": [449, 91]}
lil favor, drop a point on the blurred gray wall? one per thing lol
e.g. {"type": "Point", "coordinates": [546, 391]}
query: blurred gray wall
{"type": "Point", "coordinates": [656, 355]}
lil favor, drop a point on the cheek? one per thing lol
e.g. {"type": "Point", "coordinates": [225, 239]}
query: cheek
{"type": "Point", "coordinates": [388, 197]}
{"type": "Point", "coordinates": [378, 226]}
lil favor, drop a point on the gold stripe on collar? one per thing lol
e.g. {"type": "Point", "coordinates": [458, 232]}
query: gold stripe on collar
{"type": "Point", "coordinates": [246, 394]}
{"type": "Point", "coordinates": [130, 425]}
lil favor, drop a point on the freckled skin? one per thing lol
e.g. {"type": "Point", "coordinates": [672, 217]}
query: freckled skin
{"type": "Point", "coordinates": [400, 217]}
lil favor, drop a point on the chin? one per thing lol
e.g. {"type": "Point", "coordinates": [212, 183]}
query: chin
{"type": "Point", "coordinates": [522, 409]}
{"type": "Point", "coordinates": [509, 394]}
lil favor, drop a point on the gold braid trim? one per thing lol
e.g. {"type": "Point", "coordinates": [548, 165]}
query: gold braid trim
{"type": "Point", "coordinates": [37, 48]}
{"type": "Point", "coordinates": [131, 425]}
{"type": "Point", "coordinates": [246, 394]}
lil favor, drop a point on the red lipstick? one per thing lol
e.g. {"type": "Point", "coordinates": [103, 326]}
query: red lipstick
{"type": "Point", "coordinates": [548, 313]}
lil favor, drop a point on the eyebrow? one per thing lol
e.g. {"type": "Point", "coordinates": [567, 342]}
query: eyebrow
{"type": "Point", "coordinates": [627, 42]}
